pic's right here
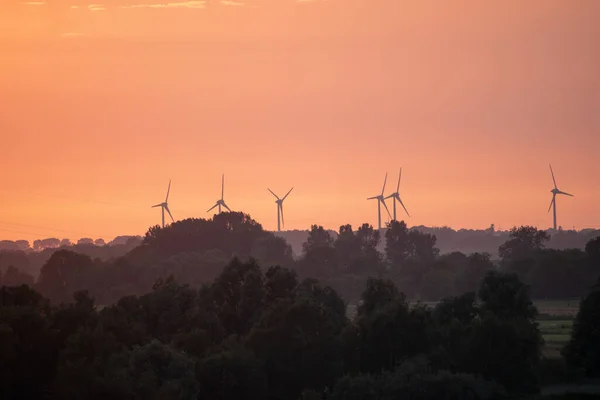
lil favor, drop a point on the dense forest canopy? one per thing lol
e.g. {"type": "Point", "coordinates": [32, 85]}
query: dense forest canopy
{"type": "Point", "coordinates": [195, 250]}
{"type": "Point", "coordinates": [221, 309]}
{"type": "Point", "coordinates": [253, 333]}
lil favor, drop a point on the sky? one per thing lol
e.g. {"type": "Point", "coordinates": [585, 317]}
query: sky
{"type": "Point", "coordinates": [104, 101]}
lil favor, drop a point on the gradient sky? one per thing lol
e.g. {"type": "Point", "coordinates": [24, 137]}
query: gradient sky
{"type": "Point", "coordinates": [102, 102]}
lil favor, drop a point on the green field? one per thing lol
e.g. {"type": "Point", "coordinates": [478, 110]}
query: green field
{"type": "Point", "coordinates": [555, 322]}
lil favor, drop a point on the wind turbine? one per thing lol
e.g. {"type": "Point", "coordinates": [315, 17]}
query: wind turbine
{"type": "Point", "coordinates": [554, 192]}
{"type": "Point", "coordinates": [396, 196]}
{"type": "Point", "coordinates": [380, 200]}
{"type": "Point", "coordinates": [279, 202]}
{"type": "Point", "coordinates": [165, 206]}
{"type": "Point", "coordinates": [221, 202]}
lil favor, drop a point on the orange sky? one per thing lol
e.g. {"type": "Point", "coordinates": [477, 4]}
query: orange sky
{"type": "Point", "coordinates": [102, 102]}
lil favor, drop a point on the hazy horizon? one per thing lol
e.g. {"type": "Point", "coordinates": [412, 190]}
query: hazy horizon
{"type": "Point", "coordinates": [105, 102]}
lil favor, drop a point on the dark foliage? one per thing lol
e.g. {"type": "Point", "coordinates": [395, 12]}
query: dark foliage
{"type": "Point", "coordinates": [208, 309]}
{"type": "Point", "coordinates": [253, 333]}
{"type": "Point", "coordinates": [583, 350]}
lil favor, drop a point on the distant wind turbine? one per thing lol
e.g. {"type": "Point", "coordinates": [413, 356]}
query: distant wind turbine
{"type": "Point", "coordinates": [279, 202]}
{"type": "Point", "coordinates": [554, 192]}
{"type": "Point", "coordinates": [396, 196]}
{"type": "Point", "coordinates": [221, 202]}
{"type": "Point", "coordinates": [380, 200]}
{"type": "Point", "coordinates": [165, 206]}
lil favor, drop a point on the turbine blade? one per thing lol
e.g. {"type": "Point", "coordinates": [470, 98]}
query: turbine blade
{"type": "Point", "coordinates": [168, 190]}
{"type": "Point", "coordinates": [384, 181]}
{"type": "Point", "coordinates": [386, 209]}
{"type": "Point", "coordinates": [158, 205]}
{"type": "Point", "coordinates": [273, 193]}
{"type": "Point", "coordinates": [170, 215]}
{"type": "Point", "coordinates": [225, 205]}
{"type": "Point", "coordinates": [222, 186]}
{"type": "Point", "coordinates": [568, 194]}
{"type": "Point", "coordinates": [288, 193]}
{"type": "Point", "coordinates": [212, 207]}
{"type": "Point", "coordinates": [399, 176]}
{"type": "Point", "coordinates": [371, 198]}
{"type": "Point", "coordinates": [551, 202]}
{"type": "Point", "coordinates": [281, 210]}
{"type": "Point", "coordinates": [391, 195]}
{"type": "Point", "coordinates": [402, 204]}
{"type": "Point", "coordinates": [554, 180]}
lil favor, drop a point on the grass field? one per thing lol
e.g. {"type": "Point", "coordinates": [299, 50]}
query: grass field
{"type": "Point", "coordinates": [555, 322]}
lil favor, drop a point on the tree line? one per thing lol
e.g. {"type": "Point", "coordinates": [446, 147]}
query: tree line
{"type": "Point", "coordinates": [195, 250]}
{"type": "Point", "coordinates": [167, 320]}
{"type": "Point", "coordinates": [467, 241]}
{"type": "Point", "coordinates": [265, 334]}
{"type": "Point", "coordinates": [255, 333]}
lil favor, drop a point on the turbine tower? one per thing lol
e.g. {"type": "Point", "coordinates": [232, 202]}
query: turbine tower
{"type": "Point", "coordinates": [396, 197]}
{"type": "Point", "coordinates": [221, 202]}
{"type": "Point", "coordinates": [554, 192]}
{"type": "Point", "coordinates": [279, 202]}
{"type": "Point", "coordinates": [165, 206]}
{"type": "Point", "coordinates": [380, 200]}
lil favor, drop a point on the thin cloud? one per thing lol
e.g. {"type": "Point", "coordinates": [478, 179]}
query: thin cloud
{"type": "Point", "coordinates": [183, 4]}
{"type": "Point", "coordinates": [231, 3]}
{"type": "Point", "coordinates": [96, 7]}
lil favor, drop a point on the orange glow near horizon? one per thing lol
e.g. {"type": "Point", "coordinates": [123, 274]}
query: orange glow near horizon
{"type": "Point", "coordinates": [104, 101]}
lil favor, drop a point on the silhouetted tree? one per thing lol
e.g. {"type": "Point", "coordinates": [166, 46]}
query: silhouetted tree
{"type": "Point", "coordinates": [238, 294]}
{"type": "Point", "coordinates": [523, 242]}
{"type": "Point", "coordinates": [397, 243]}
{"type": "Point", "coordinates": [505, 351]}
{"type": "Point", "coordinates": [271, 250]}
{"type": "Point", "coordinates": [378, 294]}
{"type": "Point", "coordinates": [506, 296]}
{"type": "Point", "coordinates": [83, 368]}
{"type": "Point", "coordinates": [592, 248]}
{"type": "Point", "coordinates": [357, 251]}
{"type": "Point", "coordinates": [476, 267]}
{"type": "Point", "coordinates": [23, 245]}
{"type": "Point", "coordinates": [422, 246]}
{"type": "Point", "coordinates": [317, 237]}
{"type": "Point", "coordinates": [389, 330]}
{"type": "Point", "coordinates": [347, 247]}
{"type": "Point", "coordinates": [14, 277]}
{"type": "Point", "coordinates": [507, 333]}
{"type": "Point", "coordinates": [231, 374]}
{"type": "Point", "coordinates": [280, 283]}
{"type": "Point", "coordinates": [320, 257]}
{"type": "Point", "coordinates": [63, 274]}
{"type": "Point", "coordinates": [461, 308]}
{"type": "Point", "coordinates": [28, 345]}
{"type": "Point", "coordinates": [8, 245]}
{"type": "Point", "coordinates": [368, 239]}
{"type": "Point", "coordinates": [299, 345]}
{"type": "Point", "coordinates": [583, 349]}
{"type": "Point", "coordinates": [153, 371]}
{"type": "Point", "coordinates": [415, 380]}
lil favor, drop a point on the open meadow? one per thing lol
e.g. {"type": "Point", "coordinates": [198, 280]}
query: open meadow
{"type": "Point", "coordinates": [555, 322]}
